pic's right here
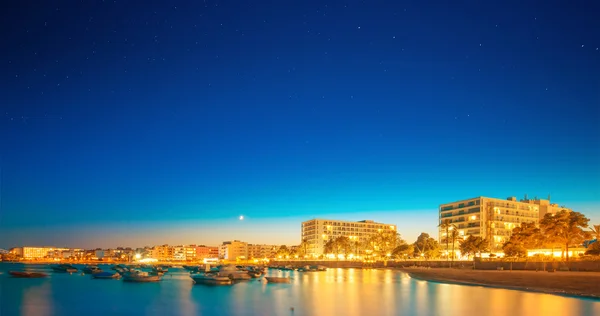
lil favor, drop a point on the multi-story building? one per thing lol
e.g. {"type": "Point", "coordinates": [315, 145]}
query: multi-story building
{"type": "Point", "coordinates": [38, 252]}
{"type": "Point", "coordinates": [233, 250]}
{"type": "Point", "coordinates": [163, 253]}
{"type": "Point", "coordinates": [316, 232]}
{"type": "Point", "coordinates": [184, 253]}
{"type": "Point", "coordinates": [203, 252]}
{"type": "Point", "coordinates": [179, 253]}
{"type": "Point", "coordinates": [261, 251]}
{"type": "Point", "coordinates": [490, 218]}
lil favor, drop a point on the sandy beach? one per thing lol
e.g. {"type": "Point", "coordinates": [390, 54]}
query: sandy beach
{"type": "Point", "coordinates": [585, 284]}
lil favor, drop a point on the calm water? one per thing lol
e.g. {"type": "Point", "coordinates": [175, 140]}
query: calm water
{"type": "Point", "coordinates": [334, 292]}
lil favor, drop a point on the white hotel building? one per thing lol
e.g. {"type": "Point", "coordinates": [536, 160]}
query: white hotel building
{"type": "Point", "coordinates": [317, 232]}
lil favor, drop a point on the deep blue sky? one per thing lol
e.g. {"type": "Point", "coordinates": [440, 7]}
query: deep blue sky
{"type": "Point", "coordinates": [140, 123]}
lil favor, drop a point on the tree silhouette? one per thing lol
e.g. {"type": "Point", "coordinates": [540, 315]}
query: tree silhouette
{"type": "Point", "coordinates": [565, 227]}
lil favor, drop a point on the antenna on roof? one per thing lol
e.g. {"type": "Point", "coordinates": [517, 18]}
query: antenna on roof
{"type": "Point", "coordinates": [548, 197]}
{"type": "Point", "coordinates": [525, 196]}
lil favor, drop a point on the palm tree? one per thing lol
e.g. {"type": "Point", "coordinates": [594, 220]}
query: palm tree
{"type": "Point", "coordinates": [304, 244]}
{"type": "Point", "coordinates": [454, 236]}
{"type": "Point", "coordinates": [446, 226]}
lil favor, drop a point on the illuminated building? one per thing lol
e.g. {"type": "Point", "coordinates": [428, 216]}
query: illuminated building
{"type": "Point", "coordinates": [261, 251]}
{"type": "Point", "coordinates": [38, 252]}
{"type": "Point", "coordinates": [163, 253]}
{"type": "Point", "coordinates": [316, 232]}
{"type": "Point", "coordinates": [203, 252]}
{"type": "Point", "coordinates": [184, 253]}
{"type": "Point", "coordinates": [490, 218]}
{"type": "Point", "coordinates": [233, 250]}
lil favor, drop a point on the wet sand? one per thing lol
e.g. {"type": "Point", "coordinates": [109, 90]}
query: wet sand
{"type": "Point", "coordinates": [585, 284]}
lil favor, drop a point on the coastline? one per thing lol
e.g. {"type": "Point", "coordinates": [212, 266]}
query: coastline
{"type": "Point", "coordinates": [585, 285]}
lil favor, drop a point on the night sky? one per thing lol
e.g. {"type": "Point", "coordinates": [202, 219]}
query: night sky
{"type": "Point", "coordinates": [143, 122]}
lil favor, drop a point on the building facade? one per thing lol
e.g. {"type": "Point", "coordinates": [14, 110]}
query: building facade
{"type": "Point", "coordinates": [262, 251]}
{"type": "Point", "coordinates": [163, 253]}
{"type": "Point", "coordinates": [316, 232]}
{"type": "Point", "coordinates": [491, 218]}
{"type": "Point", "coordinates": [203, 252]}
{"type": "Point", "coordinates": [233, 250]}
{"type": "Point", "coordinates": [38, 252]}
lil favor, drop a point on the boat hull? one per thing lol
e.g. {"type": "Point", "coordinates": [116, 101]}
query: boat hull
{"type": "Point", "coordinates": [144, 279]}
{"type": "Point", "coordinates": [211, 280]}
{"type": "Point", "coordinates": [106, 276]}
{"type": "Point", "coordinates": [277, 280]}
{"type": "Point", "coordinates": [19, 274]}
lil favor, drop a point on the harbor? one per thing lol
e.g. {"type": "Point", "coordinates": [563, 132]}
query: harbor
{"type": "Point", "coordinates": [329, 292]}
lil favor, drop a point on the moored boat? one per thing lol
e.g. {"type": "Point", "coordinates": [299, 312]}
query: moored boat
{"type": "Point", "coordinates": [278, 279]}
{"type": "Point", "coordinates": [24, 274]}
{"type": "Point", "coordinates": [138, 276]}
{"type": "Point", "coordinates": [91, 270]}
{"type": "Point", "coordinates": [160, 269]}
{"type": "Point", "coordinates": [233, 273]}
{"type": "Point", "coordinates": [64, 268]}
{"type": "Point", "coordinates": [312, 269]}
{"type": "Point", "coordinates": [210, 278]}
{"type": "Point", "coordinates": [106, 275]}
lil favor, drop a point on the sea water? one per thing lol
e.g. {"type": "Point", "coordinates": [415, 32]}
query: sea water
{"type": "Point", "coordinates": [349, 292]}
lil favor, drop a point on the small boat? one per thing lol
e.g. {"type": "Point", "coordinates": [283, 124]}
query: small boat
{"type": "Point", "coordinates": [64, 268]}
{"type": "Point", "coordinates": [120, 268]}
{"type": "Point", "coordinates": [255, 274]}
{"type": "Point", "coordinates": [106, 275]}
{"type": "Point", "coordinates": [278, 279]}
{"type": "Point", "coordinates": [159, 273]}
{"type": "Point", "coordinates": [210, 278]}
{"type": "Point", "coordinates": [21, 274]}
{"type": "Point", "coordinates": [138, 276]}
{"type": "Point", "coordinates": [233, 273]}
{"type": "Point", "coordinates": [91, 270]}
{"type": "Point", "coordinates": [312, 269]}
{"type": "Point", "coordinates": [160, 269]}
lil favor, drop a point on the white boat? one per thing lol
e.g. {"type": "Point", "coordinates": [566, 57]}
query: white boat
{"type": "Point", "coordinates": [278, 279]}
{"type": "Point", "coordinates": [233, 273]}
{"type": "Point", "coordinates": [210, 278]}
{"type": "Point", "coordinates": [138, 276]}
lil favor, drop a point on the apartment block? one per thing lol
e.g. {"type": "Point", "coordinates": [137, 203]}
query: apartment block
{"type": "Point", "coordinates": [261, 251]}
{"type": "Point", "coordinates": [203, 252]}
{"type": "Point", "coordinates": [163, 253]}
{"type": "Point", "coordinates": [38, 252]}
{"type": "Point", "coordinates": [491, 218]}
{"type": "Point", "coordinates": [316, 232]}
{"type": "Point", "coordinates": [233, 250]}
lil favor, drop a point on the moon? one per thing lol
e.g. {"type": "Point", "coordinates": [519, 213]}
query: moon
{"type": "Point", "coordinates": [241, 217]}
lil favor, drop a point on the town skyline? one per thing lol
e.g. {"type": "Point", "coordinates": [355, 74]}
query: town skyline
{"type": "Point", "coordinates": [251, 230]}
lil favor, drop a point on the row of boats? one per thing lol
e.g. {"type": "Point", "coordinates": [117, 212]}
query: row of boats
{"type": "Point", "coordinates": [213, 276]}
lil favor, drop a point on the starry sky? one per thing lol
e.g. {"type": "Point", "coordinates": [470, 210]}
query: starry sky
{"type": "Point", "coordinates": [137, 123]}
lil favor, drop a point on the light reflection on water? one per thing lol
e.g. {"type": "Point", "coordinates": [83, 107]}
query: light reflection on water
{"type": "Point", "coordinates": [351, 292]}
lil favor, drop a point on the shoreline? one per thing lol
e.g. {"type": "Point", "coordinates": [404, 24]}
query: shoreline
{"type": "Point", "coordinates": [582, 285]}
